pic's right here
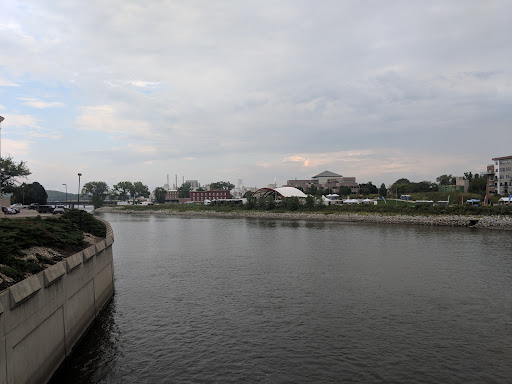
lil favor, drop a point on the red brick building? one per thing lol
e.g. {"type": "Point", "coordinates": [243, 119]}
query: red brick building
{"type": "Point", "coordinates": [209, 195]}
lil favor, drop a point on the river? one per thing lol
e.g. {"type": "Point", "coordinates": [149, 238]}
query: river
{"type": "Point", "coordinates": [210, 300]}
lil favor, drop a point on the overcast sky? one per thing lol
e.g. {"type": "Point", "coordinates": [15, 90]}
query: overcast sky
{"type": "Point", "coordinates": [254, 90]}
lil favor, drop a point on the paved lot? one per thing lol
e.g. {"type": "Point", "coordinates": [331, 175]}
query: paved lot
{"type": "Point", "coordinates": [27, 213]}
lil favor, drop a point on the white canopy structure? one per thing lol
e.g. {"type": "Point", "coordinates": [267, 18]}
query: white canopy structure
{"type": "Point", "coordinates": [352, 201]}
{"type": "Point", "coordinates": [280, 192]}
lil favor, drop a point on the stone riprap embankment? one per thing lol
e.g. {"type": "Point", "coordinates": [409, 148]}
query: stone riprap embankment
{"type": "Point", "coordinates": [490, 222]}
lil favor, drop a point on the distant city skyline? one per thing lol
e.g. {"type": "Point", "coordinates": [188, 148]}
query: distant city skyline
{"type": "Point", "coordinates": [259, 91]}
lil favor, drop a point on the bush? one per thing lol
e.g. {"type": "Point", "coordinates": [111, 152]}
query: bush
{"type": "Point", "coordinates": [62, 233]}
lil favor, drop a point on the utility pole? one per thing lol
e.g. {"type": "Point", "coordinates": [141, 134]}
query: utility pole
{"type": "Point", "coordinates": [1, 119]}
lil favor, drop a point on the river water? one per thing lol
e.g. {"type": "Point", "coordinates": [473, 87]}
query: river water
{"type": "Point", "coordinates": [209, 300]}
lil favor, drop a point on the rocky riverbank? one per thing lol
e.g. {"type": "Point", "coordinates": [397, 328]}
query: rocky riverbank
{"type": "Point", "coordinates": [489, 222]}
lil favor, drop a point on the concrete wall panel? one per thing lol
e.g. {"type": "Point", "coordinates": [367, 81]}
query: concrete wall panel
{"type": "Point", "coordinates": [103, 287]}
{"type": "Point", "coordinates": [80, 312]}
{"type": "Point", "coordinates": [43, 317]}
{"type": "Point", "coordinates": [32, 364]}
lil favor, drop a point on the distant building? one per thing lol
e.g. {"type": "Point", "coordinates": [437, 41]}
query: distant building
{"type": "Point", "coordinates": [193, 183]}
{"type": "Point", "coordinates": [325, 176]}
{"type": "Point", "coordinates": [489, 188]}
{"type": "Point", "coordinates": [304, 184]}
{"type": "Point", "coordinates": [209, 195]}
{"type": "Point", "coordinates": [172, 196]}
{"type": "Point", "coordinates": [326, 179]}
{"type": "Point", "coordinates": [502, 175]}
{"type": "Point", "coordinates": [461, 185]}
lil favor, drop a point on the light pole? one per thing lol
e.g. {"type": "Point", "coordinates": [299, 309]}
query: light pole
{"type": "Point", "coordinates": [79, 190]}
{"type": "Point", "coordinates": [1, 119]}
{"type": "Point", "coordinates": [67, 193]}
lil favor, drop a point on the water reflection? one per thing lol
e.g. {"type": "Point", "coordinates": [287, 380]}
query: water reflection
{"type": "Point", "coordinates": [96, 354]}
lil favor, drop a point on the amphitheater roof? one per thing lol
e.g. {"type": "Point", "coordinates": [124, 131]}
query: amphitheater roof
{"type": "Point", "coordinates": [282, 191]}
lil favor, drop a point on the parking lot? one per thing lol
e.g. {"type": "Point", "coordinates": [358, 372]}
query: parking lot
{"type": "Point", "coordinates": [26, 213]}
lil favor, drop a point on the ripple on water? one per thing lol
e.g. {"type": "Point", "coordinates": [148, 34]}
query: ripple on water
{"type": "Point", "coordinates": [261, 301]}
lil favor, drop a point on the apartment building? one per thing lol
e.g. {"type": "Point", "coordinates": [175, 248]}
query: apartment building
{"type": "Point", "coordinates": [489, 173]}
{"type": "Point", "coordinates": [502, 175]}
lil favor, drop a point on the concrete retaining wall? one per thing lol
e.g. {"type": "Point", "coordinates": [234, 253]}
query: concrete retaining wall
{"type": "Point", "coordinates": [43, 317]}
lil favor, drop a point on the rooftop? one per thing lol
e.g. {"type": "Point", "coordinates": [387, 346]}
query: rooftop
{"type": "Point", "coordinates": [327, 174]}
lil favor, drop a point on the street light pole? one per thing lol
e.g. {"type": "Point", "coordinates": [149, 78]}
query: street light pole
{"type": "Point", "coordinates": [79, 190]}
{"type": "Point", "coordinates": [67, 193]}
{"type": "Point", "coordinates": [1, 119]}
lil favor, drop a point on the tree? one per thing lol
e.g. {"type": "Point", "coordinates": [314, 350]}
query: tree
{"type": "Point", "coordinates": [446, 180]}
{"type": "Point", "coordinates": [311, 190]}
{"type": "Point", "coordinates": [478, 184]}
{"type": "Point", "coordinates": [160, 194]}
{"type": "Point", "coordinates": [469, 176]}
{"type": "Point", "coordinates": [221, 186]}
{"type": "Point", "coordinates": [30, 193]}
{"type": "Point", "coordinates": [368, 189]}
{"type": "Point", "coordinates": [344, 190]}
{"type": "Point", "coordinates": [10, 172]}
{"type": "Point", "coordinates": [310, 201]}
{"type": "Point", "coordinates": [383, 191]}
{"type": "Point", "coordinates": [124, 189]}
{"type": "Point", "coordinates": [402, 181]}
{"type": "Point", "coordinates": [293, 203]}
{"type": "Point", "coordinates": [184, 190]}
{"type": "Point", "coordinates": [140, 190]}
{"type": "Point", "coordinates": [98, 190]}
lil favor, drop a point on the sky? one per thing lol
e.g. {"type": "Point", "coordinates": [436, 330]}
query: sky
{"type": "Point", "coordinates": [262, 91]}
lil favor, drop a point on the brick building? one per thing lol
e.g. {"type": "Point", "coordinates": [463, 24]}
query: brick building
{"type": "Point", "coordinates": [209, 195]}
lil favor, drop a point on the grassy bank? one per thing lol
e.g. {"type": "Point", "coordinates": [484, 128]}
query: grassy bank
{"type": "Point", "coordinates": [403, 208]}
{"type": "Point", "coordinates": [64, 234]}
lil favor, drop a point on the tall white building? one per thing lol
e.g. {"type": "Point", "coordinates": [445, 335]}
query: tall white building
{"type": "Point", "coordinates": [502, 175]}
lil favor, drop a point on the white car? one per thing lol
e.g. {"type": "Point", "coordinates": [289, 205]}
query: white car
{"type": "Point", "coordinates": [17, 207]}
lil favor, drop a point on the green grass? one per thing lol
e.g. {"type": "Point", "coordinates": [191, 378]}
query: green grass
{"type": "Point", "coordinates": [392, 207]}
{"type": "Point", "coordinates": [65, 233]}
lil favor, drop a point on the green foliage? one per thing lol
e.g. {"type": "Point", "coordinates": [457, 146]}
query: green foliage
{"type": "Point", "coordinates": [310, 202]}
{"type": "Point", "coordinates": [98, 190]}
{"type": "Point", "coordinates": [411, 187]}
{"type": "Point", "coordinates": [140, 190]}
{"type": "Point", "coordinates": [60, 233]}
{"type": "Point", "coordinates": [383, 191]}
{"type": "Point", "coordinates": [160, 194]}
{"type": "Point", "coordinates": [85, 221]}
{"type": "Point", "coordinates": [251, 201]}
{"type": "Point", "coordinates": [293, 203]}
{"type": "Point", "coordinates": [184, 190]}
{"type": "Point", "coordinates": [478, 184]}
{"type": "Point", "coordinates": [10, 172]}
{"type": "Point", "coordinates": [446, 180]}
{"type": "Point", "coordinates": [124, 189]}
{"type": "Point", "coordinates": [368, 189]}
{"type": "Point", "coordinates": [345, 191]}
{"type": "Point", "coordinates": [221, 186]}
{"type": "Point", "coordinates": [30, 193]}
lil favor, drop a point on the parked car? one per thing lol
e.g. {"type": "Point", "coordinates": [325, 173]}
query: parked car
{"type": "Point", "coordinates": [59, 210]}
{"type": "Point", "coordinates": [45, 209]}
{"type": "Point", "coordinates": [16, 207]}
{"type": "Point", "coordinates": [8, 211]}
{"type": "Point", "coordinates": [33, 206]}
